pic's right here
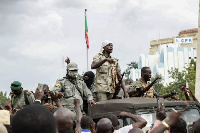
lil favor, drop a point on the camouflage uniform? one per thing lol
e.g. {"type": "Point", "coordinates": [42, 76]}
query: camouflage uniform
{"type": "Point", "coordinates": [106, 77]}
{"type": "Point", "coordinates": [121, 92]}
{"type": "Point", "coordinates": [22, 99]}
{"type": "Point", "coordinates": [72, 91]}
{"type": "Point", "coordinates": [18, 101]}
{"type": "Point", "coordinates": [139, 84]}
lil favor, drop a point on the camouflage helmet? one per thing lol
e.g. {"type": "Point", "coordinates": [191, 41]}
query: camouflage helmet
{"type": "Point", "coordinates": [16, 85]}
{"type": "Point", "coordinates": [72, 66]}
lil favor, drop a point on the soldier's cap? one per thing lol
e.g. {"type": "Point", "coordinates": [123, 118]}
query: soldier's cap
{"type": "Point", "coordinates": [72, 66]}
{"type": "Point", "coordinates": [15, 86]}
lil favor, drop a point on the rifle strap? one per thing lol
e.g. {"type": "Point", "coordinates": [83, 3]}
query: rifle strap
{"type": "Point", "coordinates": [26, 97]}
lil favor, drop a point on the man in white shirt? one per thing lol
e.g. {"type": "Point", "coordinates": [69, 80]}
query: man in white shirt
{"type": "Point", "coordinates": [139, 122]}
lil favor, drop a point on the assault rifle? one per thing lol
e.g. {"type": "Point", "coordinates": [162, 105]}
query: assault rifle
{"type": "Point", "coordinates": [141, 90]}
{"type": "Point", "coordinates": [117, 87]}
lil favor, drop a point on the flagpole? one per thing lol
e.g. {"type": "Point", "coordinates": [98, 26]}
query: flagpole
{"type": "Point", "coordinates": [87, 59]}
{"type": "Point", "coordinates": [86, 36]}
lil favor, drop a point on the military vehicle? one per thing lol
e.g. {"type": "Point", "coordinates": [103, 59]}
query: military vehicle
{"type": "Point", "coordinates": [145, 107]}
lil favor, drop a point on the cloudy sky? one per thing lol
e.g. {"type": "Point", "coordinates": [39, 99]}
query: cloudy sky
{"type": "Point", "coordinates": [35, 35]}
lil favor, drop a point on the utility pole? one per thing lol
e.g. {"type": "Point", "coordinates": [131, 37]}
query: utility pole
{"type": "Point", "coordinates": [197, 84]}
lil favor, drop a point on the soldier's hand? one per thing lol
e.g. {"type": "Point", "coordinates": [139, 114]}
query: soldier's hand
{"type": "Point", "coordinates": [90, 102]}
{"type": "Point", "coordinates": [110, 60]}
{"type": "Point", "coordinates": [60, 95]}
{"type": "Point", "coordinates": [67, 60]}
{"type": "Point", "coordinates": [126, 95]}
{"type": "Point", "coordinates": [39, 94]}
{"type": "Point", "coordinates": [76, 102]}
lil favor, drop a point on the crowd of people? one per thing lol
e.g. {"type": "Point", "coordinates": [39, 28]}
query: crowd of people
{"type": "Point", "coordinates": [64, 109]}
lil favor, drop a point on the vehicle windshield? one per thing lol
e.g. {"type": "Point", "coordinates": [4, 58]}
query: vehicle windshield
{"type": "Point", "coordinates": [189, 116]}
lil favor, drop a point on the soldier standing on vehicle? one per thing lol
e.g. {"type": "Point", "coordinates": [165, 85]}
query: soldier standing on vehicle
{"type": "Point", "coordinates": [20, 97]}
{"type": "Point", "coordinates": [140, 88]}
{"type": "Point", "coordinates": [107, 73]}
{"type": "Point", "coordinates": [88, 78]}
{"type": "Point", "coordinates": [72, 88]}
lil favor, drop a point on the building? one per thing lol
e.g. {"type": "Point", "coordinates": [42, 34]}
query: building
{"type": "Point", "coordinates": [165, 55]}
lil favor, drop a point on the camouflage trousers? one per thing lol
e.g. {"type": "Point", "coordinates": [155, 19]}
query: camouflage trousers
{"type": "Point", "coordinates": [103, 96]}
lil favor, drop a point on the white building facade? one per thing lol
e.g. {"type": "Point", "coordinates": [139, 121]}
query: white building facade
{"type": "Point", "coordinates": [168, 56]}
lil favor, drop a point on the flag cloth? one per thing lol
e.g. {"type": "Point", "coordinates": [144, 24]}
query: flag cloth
{"type": "Point", "coordinates": [86, 32]}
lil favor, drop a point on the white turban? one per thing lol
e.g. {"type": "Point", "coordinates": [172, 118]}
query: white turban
{"type": "Point", "coordinates": [106, 42]}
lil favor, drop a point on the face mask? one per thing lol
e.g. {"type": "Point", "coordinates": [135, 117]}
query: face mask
{"type": "Point", "coordinates": [73, 74]}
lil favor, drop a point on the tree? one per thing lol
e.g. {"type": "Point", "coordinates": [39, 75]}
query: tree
{"type": "Point", "coordinates": [3, 98]}
{"type": "Point", "coordinates": [158, 85]}
{"type": "Point", "coordinates": [132, 65]}
{"type": "Point", "coordinates": [180, 79]}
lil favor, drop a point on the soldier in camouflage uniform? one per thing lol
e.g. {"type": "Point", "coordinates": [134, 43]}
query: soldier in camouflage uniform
{"type": "Point", "coordinates": [20, 97]}
{"type": "Point", "coordinates": [128, 83]}
{"type": "Point", "coordinates": [141, 84]}
{"type": "Point", "coordinates": [72, 88]}
{"type": "Point", "coordinates": [107, 73]}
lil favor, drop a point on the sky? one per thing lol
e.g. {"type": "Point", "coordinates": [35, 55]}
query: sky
{"type": "Point", "coordinates": [37, 35]}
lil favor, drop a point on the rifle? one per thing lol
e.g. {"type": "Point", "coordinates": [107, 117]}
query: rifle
{"type": "Point", "coordinates": [117, 87]}
{"type": "Point", "coordinates": [140, 91]}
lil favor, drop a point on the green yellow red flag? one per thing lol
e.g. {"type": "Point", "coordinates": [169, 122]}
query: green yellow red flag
{"type": "Point", "coordinates": [86, 31]}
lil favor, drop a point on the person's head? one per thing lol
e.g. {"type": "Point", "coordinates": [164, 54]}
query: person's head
{"type": "Point", "coordinates": [107, 47]}
{"type": "Point", "coordinates": [88, 78]}
{"type": "Point", "coordinates": [128, 81]}
{"type": "Point", "coordinates": [179, 126]}
{"type": "Point", "coordinates": [34, 119]}
{"type": "Point", "coordinates": [64, 119]}
{"type": "Point", "coordinates": [196, 126]}
{"type": "Point", "coordinates": [146, 73]}
{"type": "Point", "coordinates": [46, 91]}
{"type": "Point", "coordinates": [104, 125]}
{"type": "Point", "coordinates": [87, 123]}
{"type": "Point", "coordinates": [16, 87]}
{"type": "Point", "coordinates": [136, 130]}
{"type": "Point", "coordinates": [114, 120]}
{"type": "Point", "coordinates": [72, 70]}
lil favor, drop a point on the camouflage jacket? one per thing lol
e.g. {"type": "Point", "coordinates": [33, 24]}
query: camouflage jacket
{"type": "Point", "coordinates": [106, 74]}
{"type": "Point", "coordinates": [19, 101]}
{"type": "Point", "coordinates": [139, 84]}
{"type": "Point", "coordinates": [72, 91]}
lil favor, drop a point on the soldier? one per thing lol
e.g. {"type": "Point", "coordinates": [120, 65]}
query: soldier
{"type": "Point", "coordinates": [88, 78]}
{"type": "Point", "coordinates": [72, 88]}
{"type": "Point", "coordinates": [20, 97]}
{"type": "Point", "coordinates": [139, 87]}
{"type": "Point", "coordinates": [128, 83]}
{"type": "Point", "coordinates": [107, 73]}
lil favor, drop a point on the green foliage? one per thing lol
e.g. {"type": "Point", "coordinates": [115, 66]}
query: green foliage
{"type": "Point", "coordinates": [3, 97]}
{"type": "Point", "coordinates": [180, 79]}
{"type": "Point", "coordinates": [158, 85]}
{"type": "Point", "coordinates": [132, 65]}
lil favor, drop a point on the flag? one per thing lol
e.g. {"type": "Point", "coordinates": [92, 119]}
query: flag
{"type": "Point", "coordinates": [86, 31]}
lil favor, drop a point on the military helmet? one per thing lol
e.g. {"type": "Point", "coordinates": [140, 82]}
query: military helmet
{"type": "Point", "coordinates": [72, 66]}
{"type": "Point", "coordinates": [15, 86]}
